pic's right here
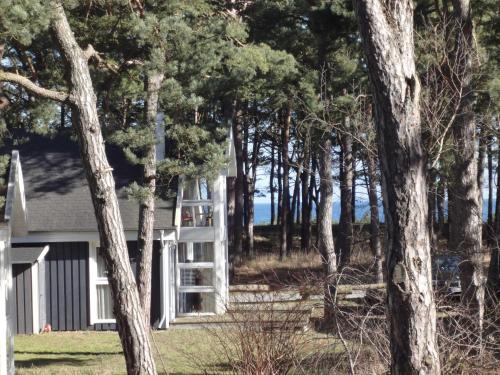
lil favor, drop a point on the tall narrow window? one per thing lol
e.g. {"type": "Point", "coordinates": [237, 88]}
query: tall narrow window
{"type": "Point", "coordinates": [195, 278]}
{"type": "Point", "coordinates": [101, 299]}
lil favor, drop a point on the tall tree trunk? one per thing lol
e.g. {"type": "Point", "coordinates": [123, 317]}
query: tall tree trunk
{"type": "Point", "coordinates": [313, 195]}
{"type": "Point", "coordinates": [344, 238]}
{"type": "Point", "coordinates": [246, 187]}
{"type": "Point", "coordinates": [465, 194]}
{"type": "Point", "coordinates": [494, 268]}
{"type": "Point", "coordinates": [305, 229]}
{"type": "Point", "coordinates": [238, 186]}
{"type": "Point", "coordinates": [387, 33]}
{"type": "Point", "coordinates": [375, 244]}
{"type": "Point", "coordinates": [489, 151]}
{"type": "Point", "coordinates": [285, 196]}
{"type": "Point", "coordinates": [154, 80]}
{"type": "Point", "coordinates": [325, 234]}
{"type": "Point", "coordinates": [228, 115]}
{"type": "Point", "coordinates": [280, 187]}
{"type": "Point", "coordinates": [293, 208]}
{"type": "Point", "coordinates": [251, 178]}
{"type": "Point", "coordinates": [440, 201]}
{"type": "Point", "coordinates": [432, 199]}
{"type": "Point", "coordinates": [132, 328]}
{"type": "Point", "coordinates": [497, 197]}
{"type": "Point", "coordinates": [299, 203]}
{"type": "Point", "coordinates": [353, 184]}
{"type": "Point", "coordinates": [271, 182]}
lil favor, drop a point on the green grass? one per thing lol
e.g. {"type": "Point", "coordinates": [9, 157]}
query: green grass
{"type": "Point", "coordinates": [183, 352]}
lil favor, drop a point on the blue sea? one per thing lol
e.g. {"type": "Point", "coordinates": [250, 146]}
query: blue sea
{"type": "Point", "coordinates": [263, 212]}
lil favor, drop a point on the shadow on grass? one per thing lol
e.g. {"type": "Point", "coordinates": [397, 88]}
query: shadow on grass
{"type": "Point", "coordinates": [44, 361]}
{"type": "Point", "coordinates": [66, 353]}
{"type": "Point", "coordinates": [63, 358]}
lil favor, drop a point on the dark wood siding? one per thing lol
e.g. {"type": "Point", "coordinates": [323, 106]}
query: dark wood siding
{"type": "Point", "coordinates": [67, 285]}
{"type": "Point", "coordinates": [22, 298]}
{"type": "Point", "coordinates": [66, 272]}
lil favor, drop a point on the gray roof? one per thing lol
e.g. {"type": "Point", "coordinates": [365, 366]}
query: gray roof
{"type": "Point", "coordinates": [25, 254]}
{"type": "Point", "coordinates": [57, 193]}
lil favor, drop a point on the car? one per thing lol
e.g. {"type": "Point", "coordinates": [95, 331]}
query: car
{"type": "Point", "coordinates": [445, 274]}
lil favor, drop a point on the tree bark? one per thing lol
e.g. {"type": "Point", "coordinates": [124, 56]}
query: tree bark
{"type": "Point", "coordinates": [280, 187]}
{"type": "Point", "coordinates": [271, 182]}
{"type": "Point", "coordinates": [246, 180]}
{"type": "Point", "coordinates": [353, 183]}
{"type": "Point", "coordinates": [228, 114]}
{"type": "Point", "coordinates": [387, 33]}
{"type": "Point", "coordinates": [325, 234]}
{"type": "Point", "coordinates": [494, 268]}
{"type": "Point", "coordinates": [305, 238]}
{"type": "Point", "coordinates": [344, 238]}
{"type": "Point", "coordinates": [293, 207]}
{"type": "Point", "coordinates": [489, 151]}
{"type": "Point", "coordinates": [440, 196]}
{"type": "Point", "coordinates": [375, 244]}
{"type": "Point", "coordinates": [465, 193]}
{"type": "Point", "coordinates": [285, 196]}
{"type": "Point", "coordinates": [147, 206]}
{"type": "Point", "coordinates": [238, 187]}
{"type": "Point", "coordinates": [497, 198]}
{"type": "Point", "coordinates": [432, 199]}
{"type": "Point", "coordinates": [251, 177]}
{"type": "Point", "coordinates": [129, 315]}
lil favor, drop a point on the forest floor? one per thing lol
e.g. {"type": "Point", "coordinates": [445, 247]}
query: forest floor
{"type": "Point", "coordinates": [299, 269]}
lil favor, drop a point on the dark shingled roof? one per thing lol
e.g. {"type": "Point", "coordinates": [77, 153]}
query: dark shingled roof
{"type": "Point", "coordinates": [57, 193]}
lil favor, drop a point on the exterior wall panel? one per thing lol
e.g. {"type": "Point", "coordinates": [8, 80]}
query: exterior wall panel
{"type": "Point", "coordinates": [64, 292]}
{"type": "Point", "coordinates": [22, 297]}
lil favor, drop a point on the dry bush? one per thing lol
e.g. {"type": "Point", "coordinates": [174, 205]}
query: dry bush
{"type": "Point", "coordinates": [261, 339]}
{"type": "Point", "coordinates": [359, 324]}
{"type": "Point", "coordinates": [265, 338]}
{"type": "Point", "coordinates": [464, 347]}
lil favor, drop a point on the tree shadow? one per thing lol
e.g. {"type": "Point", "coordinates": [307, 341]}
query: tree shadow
{"type": "Point", "coordinates": [47, 361]}
{"type": "Point", "coordinates": [43, 358]}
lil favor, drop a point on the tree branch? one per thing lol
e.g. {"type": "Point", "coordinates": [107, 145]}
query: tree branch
{"type": "Point", "coordinates": [33, 87]}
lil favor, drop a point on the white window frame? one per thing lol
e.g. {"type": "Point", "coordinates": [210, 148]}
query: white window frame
{"type": "Point", "coordinates": [94, 281]}
{"type": "Point", "coordinates": [194, 289]}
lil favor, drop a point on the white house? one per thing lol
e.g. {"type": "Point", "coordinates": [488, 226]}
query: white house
{"type": "Point", "coordinates": [57, 269]}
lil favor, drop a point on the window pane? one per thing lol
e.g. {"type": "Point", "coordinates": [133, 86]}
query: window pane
{"type": "Point", "coordinates": [197, 277]}
{"type": "Point", "coordinates": [101, 265]}
{"type": "Point", "coordinates": [196, 252]}
{"type": "Point", "coordinates": [196, 188]}
{"type": "Point", "coordinates": [197, 216]}
{"type": "Point", "coordinates": [104, 302]}
{"type": "Point", "coordinates": [196, 303]}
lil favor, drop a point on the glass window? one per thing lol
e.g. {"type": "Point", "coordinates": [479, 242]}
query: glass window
{"type": "Point", "coordinates": [196, 277]}
{"type": "Point", "coordinates": [101, 265]}
{"type": "Point", "coordinates": [196, 303]}
{"type": "Point", "coordinates": [197, 215]}
{"type": "Point", "coordinates": [196, 189]}
{"type": "Point", "coordinates": [104, 302]}
{"type": "Point", "coordinates": [196, 252]}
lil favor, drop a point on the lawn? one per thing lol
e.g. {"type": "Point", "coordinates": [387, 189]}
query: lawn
{"type": "Point", "coordinates": [183, 352]}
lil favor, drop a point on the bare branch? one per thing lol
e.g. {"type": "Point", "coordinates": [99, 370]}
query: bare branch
{"type": "Point", "coordinates": [34, 88]}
